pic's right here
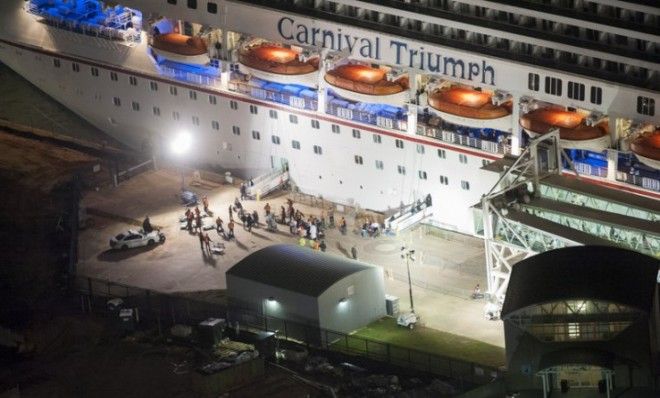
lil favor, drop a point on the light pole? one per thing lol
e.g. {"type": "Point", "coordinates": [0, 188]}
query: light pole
{"type": "Point", "coordinates": [409, 255]}
{"type": "Point", "coordinates": [179, 146]}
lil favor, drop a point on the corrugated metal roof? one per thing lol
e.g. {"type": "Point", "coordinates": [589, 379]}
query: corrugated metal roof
{"type": "Point", "coordinates": [295, 268]}
{"type": "Point", "coordinates": [583, 272]}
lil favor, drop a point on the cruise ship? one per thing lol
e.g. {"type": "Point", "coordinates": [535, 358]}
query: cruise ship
{"type": "Point", "coordinates": [366, 103]}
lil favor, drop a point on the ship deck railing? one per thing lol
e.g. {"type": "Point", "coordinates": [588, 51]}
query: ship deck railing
{"type": "Point", "coordinates": [376, 119]}
{"type": "Point", "coordinates": [116, 29]}
{"type": "Point", "coordinates": [273, 96]}
{"type": "Point", "coordinates": [188, 75]}
{"type": "Point", "coordinates": [645, 182]}
{"type": "Point", "coordinates": [463, 140]}
{"type": "Point", "coordinates": [589, 169]}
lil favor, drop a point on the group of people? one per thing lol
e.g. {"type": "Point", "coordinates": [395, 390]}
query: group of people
{"type": "Point", "coordinates": [195, 226]}
{"type": "Point", "coordinates": [370, 229]}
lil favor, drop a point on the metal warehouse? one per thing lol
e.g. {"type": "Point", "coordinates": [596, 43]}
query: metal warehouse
{"type": "Point", "coordinates": [305, 287]}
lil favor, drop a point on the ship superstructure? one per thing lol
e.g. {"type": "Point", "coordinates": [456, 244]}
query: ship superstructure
{"type": "Point", "coordinates": [369, 103]}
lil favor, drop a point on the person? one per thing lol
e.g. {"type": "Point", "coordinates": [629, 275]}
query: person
{"type": "Point", "coordinates": [146, 225]}
{"type": "Point", "coordinates": [237, 204]}
{"type": "Point", "coordinates": [354, 253]}
{"type": "Point", "coordinates": [477, 291]}
{"type": "Point", "coordinates": [207, 242]}
{"type": "Point", "coordinates": [187, 213]}
{"type": "Point", "coordinates": [218, 226]}
{"type": "Point", "coordinates": [342, 226]}
{"type": "Point", "coordinates": [230, 226]}
{"type": "Point", "coordinates": [267, 208]}
{"type": "Point", "coordinates": [205, 202]}
{"type": "Point", "coordinates": [255, 218]}
{"type": "Point", "coordinates": [197, 212]}
{"type": "Point", "coordinates": [189, 222]}
{"type": "Point", "coordinates": [322, 246]}
{"type": "Point", "coordinates": [243, 191]}
{"type": "Point", "coordinates": [248, 222]}
{"type": "Point", "coordinates": [282, 214]}
{"type": "Point", "coordinates": [199, 222]}
{"type": "Point", "coordinates": [201, 240]}
{"type": "Point", "coordinates": [312, 231]}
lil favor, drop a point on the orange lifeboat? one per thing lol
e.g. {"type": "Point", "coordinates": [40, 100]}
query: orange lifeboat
{"type": "Point", "coordinates": [647, 148]}
{"type": "Point", "coordinates": [181, 48]}
{"type": "Point", "coordinates": [471, 108]}
{"type": "Point", "coordinates": [573, 130]}
{"type": "Point", "coordinates": [279, 64]}
{"type": "Point", "coordinates": [362, 83]}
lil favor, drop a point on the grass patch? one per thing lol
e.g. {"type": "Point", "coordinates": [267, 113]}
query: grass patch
{"type": "Point", "coordinates": [433, 342]}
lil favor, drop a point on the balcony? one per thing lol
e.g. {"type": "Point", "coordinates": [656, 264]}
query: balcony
{"type": "Point", "coordinates": [296, 96]}
{"type": "Point", "coordinates": [381, 115]}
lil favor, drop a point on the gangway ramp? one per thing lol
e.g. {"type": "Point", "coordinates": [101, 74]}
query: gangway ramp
{"type": "Point", "coordinates": [410, 216]}
{"type": "Point", "coordinates": [614, 228]}
{"type": "Point", "coordinates": [569, 189]}
{"type": "Point", "coordinates": [267, 183]}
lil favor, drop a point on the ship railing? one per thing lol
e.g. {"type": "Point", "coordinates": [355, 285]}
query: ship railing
{"type": "Point", "coordinates": [460, 139]}
{"type": "Point", "coordinates": [190, 77]}
{"type": "Point", "coordinates": [588, 169]}
{"type": "Point", "coordinates": [361, 116]}
{"type": "Point", "coordinates": [651, 184]}
{"type": "Point", "coordinates": [273, 96]}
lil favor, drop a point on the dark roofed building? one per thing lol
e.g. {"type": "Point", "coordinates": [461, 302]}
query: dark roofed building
{"type": "Point", "coordinates": [583, 318]}
{"type": "Point", "coordinates": [304, 286]}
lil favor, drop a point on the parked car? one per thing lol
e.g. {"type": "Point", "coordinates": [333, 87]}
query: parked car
{"type": "Point", "coordinates": [132, 238]}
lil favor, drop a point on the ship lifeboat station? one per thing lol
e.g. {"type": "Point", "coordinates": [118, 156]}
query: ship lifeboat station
{"type": "Point", "coordinates": [582, 320]}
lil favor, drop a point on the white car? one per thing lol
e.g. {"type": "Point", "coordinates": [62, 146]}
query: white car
{"type": "Point", "coordinates": [132, 238]}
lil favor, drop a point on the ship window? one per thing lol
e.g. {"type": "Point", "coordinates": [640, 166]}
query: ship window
{"type": "Point", "coordinates": [212, 8]}
{"type": "Point", "coordinates": [172, 2]}
{"type": "Point", "coordinates": [358, 159]}
{"type": "Point", "coordinates": [275, 139]}
{"type": "Point", "coordinates": [465, 185]}
{"type": "Point", "coordinates": [377, 138]}
{"type": "Point", "coordinates": [253, 109]}
{"type": "Point", "coordinates": [336, 129]}
{"type": "Point", "coordinates": [442, 154]}
{"type": "Point", "coordinates": [75, 67]}
{"type": "Point", "coordinates": [215, 125]}
{"type": "Point", "coordinates": [462, 158]}
{"type": "Point", "coordinates": [113, 76]}
{"type": "Point", "coordinates": [272, 113]}
{"type": "Point", "coordinates": [380, 165]}
{"type": "Point", "coordinates": [233, 105]}
{"type": "Point", "coordinates": [295, 144]}
{"type": "Point", "coordinates": [132, 80]}
{"type": "Point", "coordinates": [156, 111]}
{"type": "Point", "coordinates": [173, 90]}
{"type": "Point", "coordinates": [256, 135]}
{"type": "Point", "coordinates": [422, 175]}
{"type": "Point", "coordinates": [56, 62]}
{"type": "Point", "coordinates": [153, 86]}
{"type": "Point", "coordinates": [315, 124]}
{"type": "Point", "coordinates": [136, 106]}
{"type": "Point", "coordinates": [195, 120]}
{"type": "Point", "coordinates": [553, 85]}
{"type": "Point", "coordinates": [95, 72]}
{"type": "Point", "coordinates": [596, 95]}
{"type": "Point", "coordinates": [356, 133]}
{"type": "Point", "coordinates": [576, 91]}
{"type": "Point", "coordinates": [398, 143]}
{"type": "Point", "coordinates": [193, 95]}
{"type": "Point", "coordinates": [444, 180]}
{"type": "Point", "coordinates": [646, 106]}
{"type": "Point", "coordinates": [401, 170]}
{"type": "Point", "coordinates": [293, 119]}
{"type": "Point", "coordinates": [213, 99]}
{"type": "Point", "coordinates": [116, 101]}
{"type": "Point", "coordinates": [192, 4]}
{"type": "Point", "coordinates": [533, 82]}
{"type": "Point", "coordinates": [318, 150]}
{"type": "Point", "coordinates": [420, 149]}
{"type": "Point", "coordinates": [236, 130]}
{"type": "Point", "coordinates": [175, 115]}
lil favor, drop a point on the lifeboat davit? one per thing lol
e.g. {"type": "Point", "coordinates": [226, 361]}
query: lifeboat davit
{"type": "Point", "coordinates": [647, 148]}
{"type": "Point", "coordinates": [573, 131]}
{"type": "Point", "coordinates": [278, 64]}
{"type": "Point", "coordinates": [471, 108]}
{"type": "Point", "coordinates": [181, 48]}
{"type": "Point", "coordinates": [366, 84]}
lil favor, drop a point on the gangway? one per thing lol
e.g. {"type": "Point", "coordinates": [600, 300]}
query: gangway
{"type": "Point", "coordinates": [267, 183]}
{"type": "Point", "coordinates": [534, 207]}
{"type": "Point", "coordinates": [410, 215]}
